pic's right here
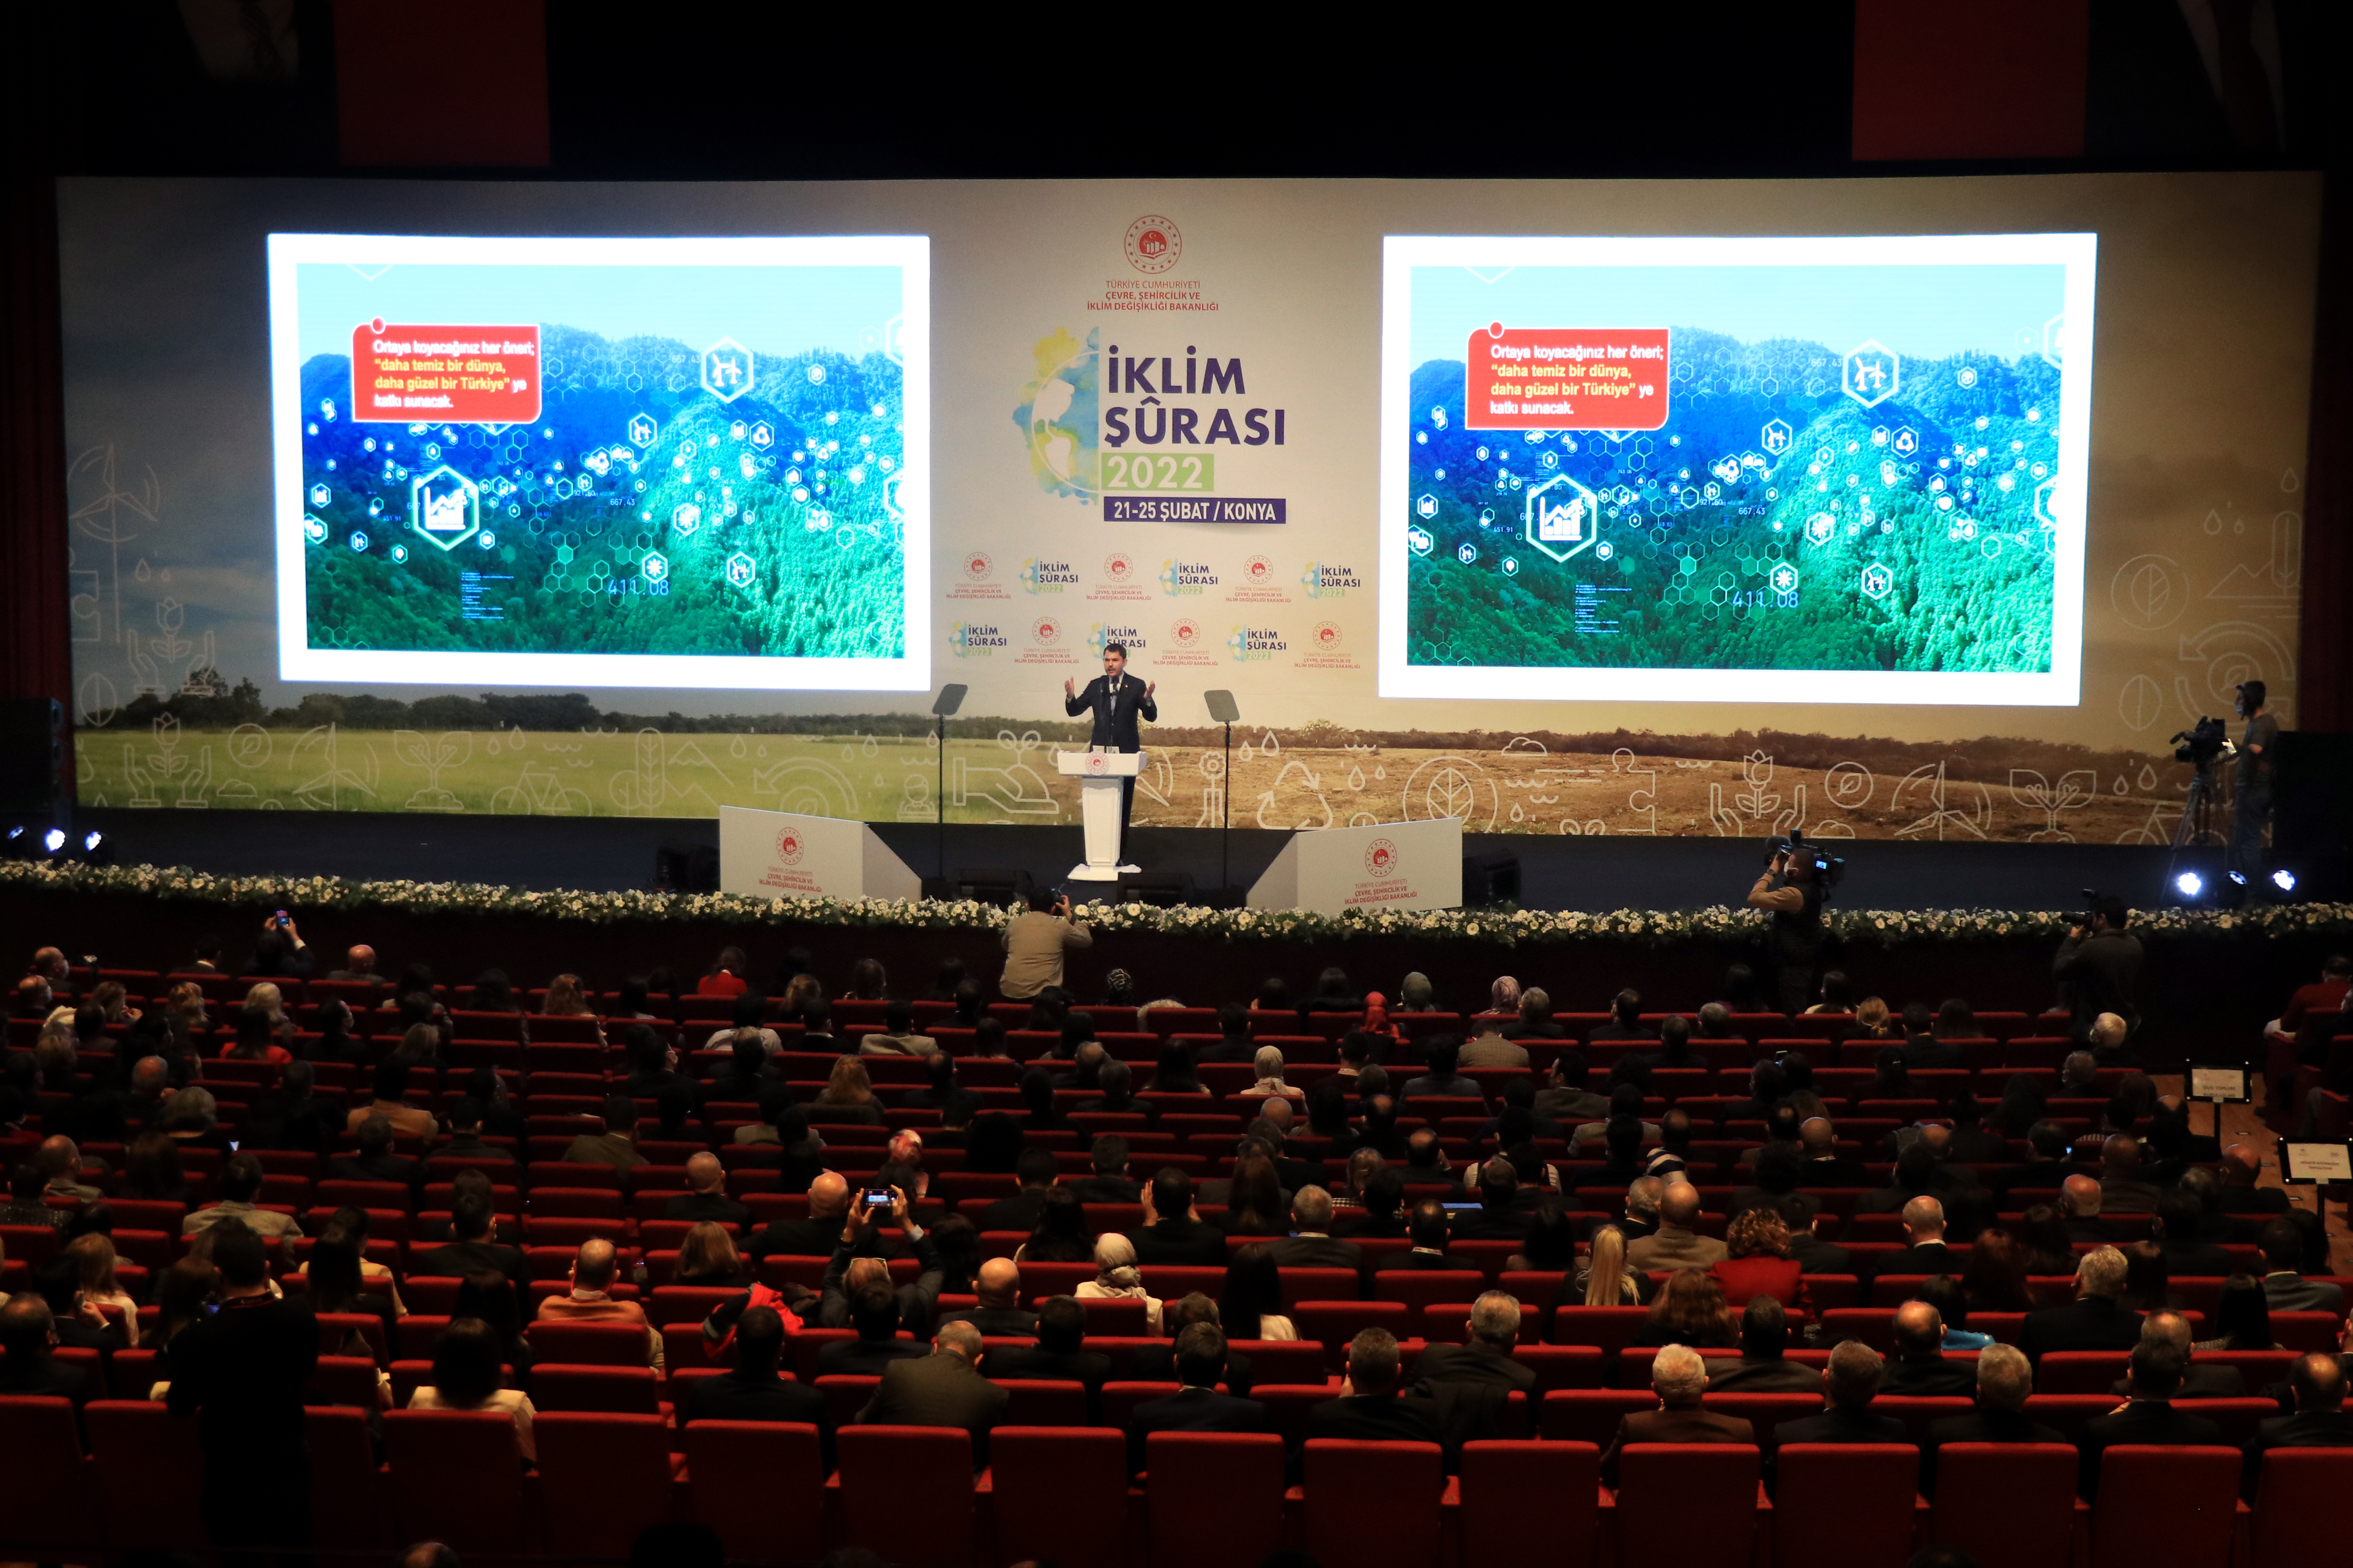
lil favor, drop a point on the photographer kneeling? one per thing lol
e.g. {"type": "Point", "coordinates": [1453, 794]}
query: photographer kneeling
{"type": "Point", "coordinates": [1791, 889]}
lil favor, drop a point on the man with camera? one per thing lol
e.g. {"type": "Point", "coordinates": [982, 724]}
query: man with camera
{"type": "Point", "coordinates": [1791, 890]}
{"type": "Point", "coordinates": [2099, 965]}
{"type": "Point", "coordinates": [2253, 810]}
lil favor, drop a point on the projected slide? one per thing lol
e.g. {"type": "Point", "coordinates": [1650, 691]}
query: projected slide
{"type": "Point", "coordinates": [610, 462]}
{"type": "Point", "coordinates": [1809, 470]}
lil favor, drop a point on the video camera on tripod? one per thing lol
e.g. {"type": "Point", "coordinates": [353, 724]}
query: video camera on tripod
{"type": "Point", "coordinates": [1828, 870]}
{"type": "Point", "coordinates": [2200, 743]}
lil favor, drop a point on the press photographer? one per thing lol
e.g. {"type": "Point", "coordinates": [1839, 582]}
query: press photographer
{"type": "Point", "coordinates": [2098, 966]}
{"type": "Point", "coordinates": [1797, 877]}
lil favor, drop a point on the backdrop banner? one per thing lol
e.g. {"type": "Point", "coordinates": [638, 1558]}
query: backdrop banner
{"type": "Point", "coordinates": [1868, 534]}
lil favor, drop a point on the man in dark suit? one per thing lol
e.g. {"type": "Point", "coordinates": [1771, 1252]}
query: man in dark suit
{"type": "Point", "coordinates": [2319, 1422]}
{"type": "Point", "coordinates": [1824, 1165]}
{"type": "Point", "coordinates": [2199, 1380]}
{"type": "Point", "coordinates": [2079, 1200]}
{"type": "Point", "coordinates": [2123, 1187]}
{"type": "Point", "coordinates": [1369, 1407]}
{"type": "Point", "coordinates": [1925, 1251]}
{"type": "Point", "coordinates": [2099, 966]}
{"type": "Point", "coordinates": [2148, 1417]}
{"type": "Point", "coordinates": [471, 1248]}
{"type": "Point", "coordinates": [943, 1389]}
{"type": "Point", "coordinates": [1173, 1231]}
{"type": "Point", "coordinates": [1764, 1366]}
{"type": "Point", "coordinates": [1565, 1097]}
{"type": "Point", "coordinates": [1499, 1216]}
{"type": "Point", "coordinates": [1197, 1405]}
{"type": "Point", "coordinates": [1154, 1361]}
{"type": "Point", "coordinates": [1487, 1357]}
{"type": "Point", "coordinates": [1429, 1230]}
{"type": "Point", "coordinates": [1919, 1367]}
{"type": "Point", "coordinates": [2285, 1288]}
{"type": "Point", "coordinates": [1915, 1176]}
{"type": "Point", "coordinates": [1625, 1021]}
{"type": "Point", "coordinates": [1851, 1382]}
{"type": "Point", "coordinates": [2242, 1165]}
{"type": "Point", "coordinates": [1035, 1170]}
{"type": "Point", "coordinates": [1117, 700]}
{"type": "Point", "coordinates": [2003, 1382]}
{"type": "Point", "coordinates": [1974, 1143]}
{"type": "Point", "coordinates": [28, 1332]}
{"type": "Point", "coordinates": [2049, 1166]}
{"type": "Point", "coordinates": [372, 1159]}
{"type": "Point", "coordinates": [1000, 1313]}
{"type": "Point", "coordinates": [874, 1313]}
{"type": "Point", "coordinates": [818, 1235]}
{"type": "Point", "coordinates": [1314, 1247]}
{"type": "Point", "coordinates": [1111, 1184]}
{"type": "Point", "coordinates": [1679, 1377]}
{"type": "Point", "coordinates": [2092, 1320]}
{"type": "Point", "coordinates": [1058, 1356]}
{"type": "Point", "coordinates": [1814, 1255]}
{"type": "Point", "coordinates": [705, 1197]}
{"type": "Point", "coordinates": [293, 1117]}
{"type": "Point", "coordinates": [2176, 1231]}
{"type": "Point", "coordinates": [753, 1391]}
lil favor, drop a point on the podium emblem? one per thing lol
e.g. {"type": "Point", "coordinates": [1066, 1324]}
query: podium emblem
{"type": "Point", "coordinates": [789, 846]}
{"type": "Point", "coordinates": [1381, 858]}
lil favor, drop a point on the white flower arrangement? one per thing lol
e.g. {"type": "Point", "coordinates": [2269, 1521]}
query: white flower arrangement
{"type": "Point", "coordinates": [1492, 928]}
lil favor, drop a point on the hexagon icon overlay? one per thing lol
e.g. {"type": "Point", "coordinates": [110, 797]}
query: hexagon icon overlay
{"type": "Point", "coordinates": [727, 373]}
{"type": "Point", "coordinates": [445, 506]}
{"type": "Point", "coordinates": [741, 569]}
{"type": "Point", "coordinates": [1876, 580]}
{"type": "Point", "coordinates": [1871, 374]}
{"type": "Point", "coordinates": [642, 430]}
{"type": "Point", "coordinates": [654, 566]}
{"type": "Point", "coordinates": [1562, 517]}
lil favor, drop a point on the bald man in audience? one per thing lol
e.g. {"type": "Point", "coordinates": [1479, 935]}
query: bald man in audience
{"type": "Point", "coordinates": [2199, 1380]}
{"type": "Point", "coordinates": [1678, 1243]}
{"type": "Point", "coordinates": [706, 1196]}
{"type": "Point", "coordinates": [2242, 1168]}
{"type": "Point", "coordinates": [590, 1300]}
{"type": "Point", "coordinates": [1000, 1312]}
{"type": "Point", "coordinates": [1925, 1251]}
{"type": "Point", "coordinates": [1824, 1165]}
{"type": "Point", "coordinates": [2122, 1189]}
{"type": "Point", "coordinates": [943, 1389]}
{"type": "Point", "coordinates": [2317, 1381]}
{"type": "Point", "coordinates": [816, 1236]}
{"type": "Point", "coordinates": [1919, 1368]}
{"type": "Point", "coordinates": [2079, 1200]}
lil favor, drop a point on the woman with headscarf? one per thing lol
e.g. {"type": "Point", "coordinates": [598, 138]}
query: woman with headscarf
{"type": "Point", "coordinates": [1116, 1276]}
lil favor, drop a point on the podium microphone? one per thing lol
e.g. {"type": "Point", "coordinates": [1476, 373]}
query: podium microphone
{"type": "Point", "coordinates": [1223, 712]}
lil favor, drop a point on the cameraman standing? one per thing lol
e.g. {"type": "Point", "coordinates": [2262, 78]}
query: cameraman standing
{"type": "Point", "coordinates": [1790, 891]}
{"type": "Point", "coordinates": [2099, 965]}
{"type": "Point", "coordinates": [2253, 809]}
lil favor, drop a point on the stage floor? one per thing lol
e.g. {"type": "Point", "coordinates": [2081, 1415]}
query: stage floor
{"type": "Point", "coordinates": [615, 853]}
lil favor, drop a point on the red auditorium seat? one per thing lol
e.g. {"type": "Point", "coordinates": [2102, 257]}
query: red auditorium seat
{"type": "Point", "coordinates": [603, 1479]}
{"type": "Point", "coordinates": [456, 1478]}
{"type": "Point", "coordinates": [906, 1493]}
{"type": "Point", "coordinates": [1215, 1498]}
{"type": "Point", "coordinates": [2079, 1372]}
{"type": "Point", "coordinates": [2290, 1531]}
{"type": "Point", "coordinates": [1418, 1288]}
{"type": "Point", "coordinates": [1283, 1360]}
{"type": "Point", "coordinates": [1844, 1505]}
{"type": "Point", "coordinates": [1589, 1415]}
{"type": "Point", "coordinates": [761, 1485]}
{"type": "Point", "coordinates": [1059, 1495]}
{"type": "Point", "coordinates": [1701, 1497]}
{"type": "Point", "coordinates": [588, 1345]}
{"type": "Point", "coordinates": [1333, 1324]}
{"type": "Point", "coordinates": [2175, 1506]}
{"type": "Point", "coordinates": [1607, 1327]}
{"type": "Point", "coordinates": [2008, 1505]}
{"type": "Point", "coordinates": [598, 1390]}
{"type": "Point", "coordinates": [346, 1487]}
{"type": "Point", "coordinates": [1497, 1526]}
{"type": "Point", "coordinates": [150, 1476]}
{"type": "Point", "coordinates": [1120, 1398]}
{"type": "Point", "coordinates": [1765, 1412]}
{"type": "Point", "coordinates": [1041, 1403]}
{"type": "Point", "coordinates": [50, 1515]}
{"type": "Point", "coordinates": [1374, 1504]}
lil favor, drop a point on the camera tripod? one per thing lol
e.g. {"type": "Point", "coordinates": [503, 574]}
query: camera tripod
{"type": "Point", "coordinates": [2196, 824]}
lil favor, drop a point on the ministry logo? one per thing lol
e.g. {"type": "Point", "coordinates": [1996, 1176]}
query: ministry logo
{"type": "Point", "coordinates": [977, 566]}
{"type": "Point", "coordinates": [1185, 635]}
{"type": "Point", "coordinates": [789, 846]}
{"type": "Point", "coordinates": [1119, 568]}
{"type": "Point", "coordinates": [1045, 631]}
{"type": "Point", "coordinates": [1153, 244]}
{"type": "Point", "coordinates": [1323, 580]}
{"type": "Point", "coordinates": [1381, 858]}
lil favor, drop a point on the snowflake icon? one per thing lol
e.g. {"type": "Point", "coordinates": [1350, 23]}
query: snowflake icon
{"type": "Point", "coordinates": [1784, 578]}
{"type": "Point", "coordinates": [655, 566]}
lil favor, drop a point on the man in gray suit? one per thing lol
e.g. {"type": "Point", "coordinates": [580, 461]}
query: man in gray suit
{"type": "Point", "coordinates": [1490, 1049]}
{"type": "Point", "coordinates": [943, 1389]}
{"type": "Point", "coordinates": [2285, 1290]}
{"type": "Point", "coordinates": [1314, 1247]}
{"type": "Point", "coordinates": [898, 1037]}
{"type": "Point", "coordinates": [1677, 1244]}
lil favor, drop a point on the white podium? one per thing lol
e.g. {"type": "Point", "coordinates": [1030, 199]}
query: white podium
{"type": "Point", "coordinates": [784, 855]}
{"type": "Point", "coordinates": [1395, 865]}
{"type": "Point", "coordinates": [1100, 776]}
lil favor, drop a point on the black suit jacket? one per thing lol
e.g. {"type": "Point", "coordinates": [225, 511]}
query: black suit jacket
{"type": "Point", "coordinates": [1106, 1189]}
{"type": "Point", "coordinates": [1475, 1364]}
{"type": "Point", "coordinates": [1019, 1212]}
{"type": "Point", "coordinates": [995, 1321]}
{"type": "Point", "coordinates": [717, 1207]}
{"type": "Point", "coordinates": [1177, 1240]}
{"type": "Point", "coordinates": [1774, 1377]}
{"type": "Point", "coordinates": [1091, 1368]}
{"type": "Point", "coordinates": [1376, 1417]}
{"type": "Point", "coordinates": [1836, 1172]}
{"type": "Point", "coordinates": [2141, 1421]}
{"type": "Point", "coordinates": [1155, 1362]}
{"type": "Point", "coordinates": [940, 1390]}
{"type": "Point", "coordinates": [2092, 1323]}
{"type": "Point", "coordinates": [1315, 1252]}
{"type": "Point", "coordinates": [1932, 1259]}
{"type": "Point", "coordinates": [382, 1168]}
{"type": "Point", "coordinates": [457, 1259]}
{"type": "Point", "coordinates": [1193, 1410]}
{"type": "Point", "coordinates": [1115, 711]}
{"type": "Point", "coordinates": [1840, 1424]}
{"type": "Point", "coordinates": [1929, 1376]}
{"type": "Point", "coordinates": [1428, 1261]}
{"type": "Point", "coordinates": [1816, 1256]}
{"type": "Point", "coordinates": [2307, 1429]}
{"type": "Point", "coordinates": [2199, 1381]}
{"type": "Point", "coordinates": [2195, 1260]}
{"type": "Point", "coordinates": [748, 1396]}
{"type": "Point", "coordinates": [865, 1358]}
{"type": "Point", "coordinates": [1979, 1425]}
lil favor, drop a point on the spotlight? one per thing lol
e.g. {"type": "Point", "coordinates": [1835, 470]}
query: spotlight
{"type": "Point", "coordinates": [2283, 879]}
{"type": "Point", "coordinates": [97, 848]}
{"type": "Point", "coordinates": [53, 841]}
{"type": "Point", "coordinates": [2191, 886]}
{"type": "Point", "coordinates": [18, 845]}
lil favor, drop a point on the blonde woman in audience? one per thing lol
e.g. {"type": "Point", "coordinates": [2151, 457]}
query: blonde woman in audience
{"type": "Point", "coordinates": [1873, 1021]}
{"type": "Point", "coordinates": [92, 1258]}
{"type": "Point", "coordinates": [1268, 1064]}
{"type": "Point", "coordinates": [803, 990]}
{"type": "Point", "coordinates": [1116, 1277]}
{"type": "Point", "coordinates": [266, 997]}
{"type": "Point", "coordinates": [1604, 1281]}
{"type": "Point", "coordinates": [186, 1007]}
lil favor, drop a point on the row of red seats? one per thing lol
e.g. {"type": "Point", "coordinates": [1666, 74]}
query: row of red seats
{"type": "Point", "coordinates": [1064, 1494]}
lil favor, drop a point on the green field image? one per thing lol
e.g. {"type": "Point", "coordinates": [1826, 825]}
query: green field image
{"type": "Point", "coordinates": [1775, 523]}
{"type": "Point", "coordinates": [640, 515]}
{"type": "Point", "coordinates": [1007, 778]}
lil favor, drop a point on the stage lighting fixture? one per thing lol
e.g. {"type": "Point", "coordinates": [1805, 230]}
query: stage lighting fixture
{"type": "Point", "coordinates": [18, 845]}
{"type": "Point", "coordinates": [53, 842]}
{"type": "Point", "coordinates": [2191, 886]}
{"type": "Point", "coordinates": [97, 848]}
{"type": "Point", "coordinates": [2284, 880]}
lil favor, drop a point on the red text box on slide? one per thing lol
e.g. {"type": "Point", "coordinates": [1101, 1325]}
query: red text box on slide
{"type": "Point", "coordinates": [1566, 378]}
{"type": "Point", "coordinates": [458, 375]}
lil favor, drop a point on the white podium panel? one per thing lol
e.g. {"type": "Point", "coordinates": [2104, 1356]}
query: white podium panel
{"type": "Point", "coordinates": [1395, 865]}
{"type": "Point", "coordinates": [1099, 775]}
{"type": "Point", "coordinates": [783, 855]}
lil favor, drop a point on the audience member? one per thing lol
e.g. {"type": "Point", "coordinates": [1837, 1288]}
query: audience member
{"type": "Point", "coordinates": [1764, 1366]}
{"type": "Point", "coordinates": [2148, 1417]}
{"type": "Point", "coordinates": [943, 1389]}
{"type": "Point", "coordinates": [1679, 1377]}
{"type": "Point", "coordinates": [590, 1299]}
